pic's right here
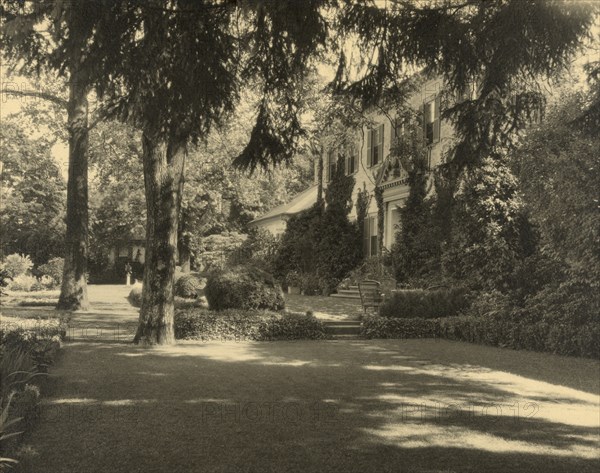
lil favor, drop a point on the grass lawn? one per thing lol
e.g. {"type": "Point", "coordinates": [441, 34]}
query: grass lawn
{"type": "Point", "coordinates": [327, 406]}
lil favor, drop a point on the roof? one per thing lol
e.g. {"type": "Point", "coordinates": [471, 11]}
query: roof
{"type": "Point", "coordinates": [300, 202]}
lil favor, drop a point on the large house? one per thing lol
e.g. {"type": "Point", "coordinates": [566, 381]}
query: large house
{"type": "Point", "coordinates": [373, 166]}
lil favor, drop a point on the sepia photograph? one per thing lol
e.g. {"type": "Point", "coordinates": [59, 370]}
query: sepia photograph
{"type": "Point", "coordinates": [299, 236]}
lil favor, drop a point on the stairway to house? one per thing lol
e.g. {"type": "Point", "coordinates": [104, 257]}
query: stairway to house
{"type": "Point", "coordinates": [343, 329]}
{"type": "Point", "coordinates": [350, 293]}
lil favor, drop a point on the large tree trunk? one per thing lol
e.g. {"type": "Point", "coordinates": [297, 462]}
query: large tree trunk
{"type": "Point", "coordinates": [73, 294]}
{"type": "Point", "coordinates": [163, 178]}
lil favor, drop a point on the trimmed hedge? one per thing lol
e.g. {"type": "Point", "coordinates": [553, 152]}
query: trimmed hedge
{"type": "Point", "coordinates": [232, 324]}
{"type": "Point", "coordinates": [423, 303]}
{"type": "Point", "coordinates": [243, 287]}
{"type": "Point", "coordinates": [559, 338]}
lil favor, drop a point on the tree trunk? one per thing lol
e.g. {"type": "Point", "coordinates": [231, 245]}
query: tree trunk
{"type": "Point", "coordinates": [185, 258]}
{"type": "Point", "coordinates": [320, 178]}
{"type": "Point", "coordinates": [163, 179]}
{"type": "Point", "coordinates": [73, 294]}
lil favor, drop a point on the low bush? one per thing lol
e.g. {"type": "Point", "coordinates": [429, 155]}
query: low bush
{"type": "Point", "coordinates": [188, 286]}
{"type": "Point", "coordinates": [243, 287]}
{"type": "Point", "coordinates": [422, 303]}
{"type": "Point", "coordinates": [386, 327]}
{"type": "Point", "coordinates": [135, 296]}
{"type": "Point", "coordinates": [16, 264]}
{"type": "Point", "coordinates": [292, 326]}
{"type": "Point", "coordinates": [235, 324]}
{"type": "Point", "coordinates": [53, 269]}
{"type": "Point", "coordinates": [561, 339]}
{"type": "Point", "coordinates": [24, 283]}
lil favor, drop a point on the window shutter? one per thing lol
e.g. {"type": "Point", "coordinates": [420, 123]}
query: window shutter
{"type": "Point", "coordinates": [436, 122]}
{"type": "Point", "coordinates": [381, 134]}
{"type": "Point", "coordinates": [369, 147]}
{"type": "Point", "coordinates": [424, 110]}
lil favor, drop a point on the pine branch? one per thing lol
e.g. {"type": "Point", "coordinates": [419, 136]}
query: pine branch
{"type": "Point", "coordinates": [41, 95]}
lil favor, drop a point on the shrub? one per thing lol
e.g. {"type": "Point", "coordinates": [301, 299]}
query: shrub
{"type": "Point", "coordinates": [188, 286]}
{"type": "Point", "coordinates": [422, 303]}
{"type": "Point", "coordinates": [47, 282]}
{"type": "Point", "coordinates": [135, 296]}
{"type": "Point", "coordinates": [23, 283]}
{"type": "Point", "coordinates": [4, 280]}
{"type": "Point", "coordinates": [243, 287]}
{"type": "Point", "coordinates": [16, 265]}
{"type": "Point", "coordinates": [291, 326]}
{"type": "Point", "coordinates": [53, 269]}
{"type": "Point", "coordinates": [385, 327]}
{"type": "Point", "coordinates": [235, 324]}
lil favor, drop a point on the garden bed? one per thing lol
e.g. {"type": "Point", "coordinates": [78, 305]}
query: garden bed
{"type": "Point", "coordinates": [236, 324]}
{"type": "Point", "coordinates": [28, 347]}
{"type": "Point", "coordinates": [560, 338]}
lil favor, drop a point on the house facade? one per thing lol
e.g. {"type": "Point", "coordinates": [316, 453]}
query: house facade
{"type": "Point", "coordinates": [372, 165]}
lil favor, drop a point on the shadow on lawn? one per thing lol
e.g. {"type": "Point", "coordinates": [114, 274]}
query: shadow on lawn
{"type": "Point", "coordinates": [307, 407]}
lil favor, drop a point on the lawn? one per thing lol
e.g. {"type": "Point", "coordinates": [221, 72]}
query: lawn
{"type": "Point", "coordinates": [330, 406]}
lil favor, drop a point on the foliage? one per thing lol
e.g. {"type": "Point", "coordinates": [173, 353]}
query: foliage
{"type": "Point", "coordinates": [236, 324]}
{"type": "Point", "coordinates": [385, 327]}
{"type": "Point", "coordinates": [33, 194]}
{"type": "Point", "coordinates": [258, 250]}
{"type": "Point", "coordinates": [188, 286]}
{"type": "Point", "coordinates": [243, 287]}
{"type": "Point", "coordinates": [297, 252]}
{"type": "Point", "coordinates": [416, 249]}
{"type": "Point", "coordinates": [25, 283]}
{"type": "Point", "coordinates": [322, 245]}
{"type": "Point", "coordinates": [213, 251]}
{"type": "Point", "coordinates": [491, 230]}
{"type": "Point", "coordinates": [4, 280]}
{"type": "Point", "coordinates": [562, 339]}
{"type": "Point", "coordinates": [27, 348]}
{"type": "Point", "coordinates": [559, 169]}
{"type": "Point", "coordinates": [427, 304]}
{"type": "Point", "coordinates": [374, 268]}
{"type": "Point", "coordinates": [53, 269]}
{"type": "Point", "coordinates": [494, 330]}
{"type": "Point", "coordinates": [6, 462]}
{"type": "Point", "coordinates": [135, 296]}
{"type": "Point", "coordinates": [17, 265]}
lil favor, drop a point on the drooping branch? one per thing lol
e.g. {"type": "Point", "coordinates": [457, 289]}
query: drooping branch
{"type": "Point", "coordinates": [40, 95]}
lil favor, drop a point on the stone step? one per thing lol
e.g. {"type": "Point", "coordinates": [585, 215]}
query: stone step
{"type": "Point", "coordinates": [346, 337]}
{"type": "Point", "coordinates": [348, 291]}
{"type": "Point", "coordinates": [346, 296]}
{"type": "Point", "coordinates": [346, 327]}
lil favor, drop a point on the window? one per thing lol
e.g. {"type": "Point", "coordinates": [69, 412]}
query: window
{"type": "Point", "coordinates": [351, 160]}
{"type": "Point", "coordinates": [370, 240]}
{"type": "Point", "coordinates": [375, 145]}
{"type": "Point", "coordinates": [330, 165]}
{"type": "Point", "coordinates": [397, 130]}
{"type": "Point", "coordinates": [431, 121]}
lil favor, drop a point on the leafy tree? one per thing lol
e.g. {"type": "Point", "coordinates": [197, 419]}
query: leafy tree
{"type": "Point", "coordinates": [559, 169]}
{"type": "Point", "coordinates": [32, 196]}
{"type": "Point", "coordinates": [56, 36]}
